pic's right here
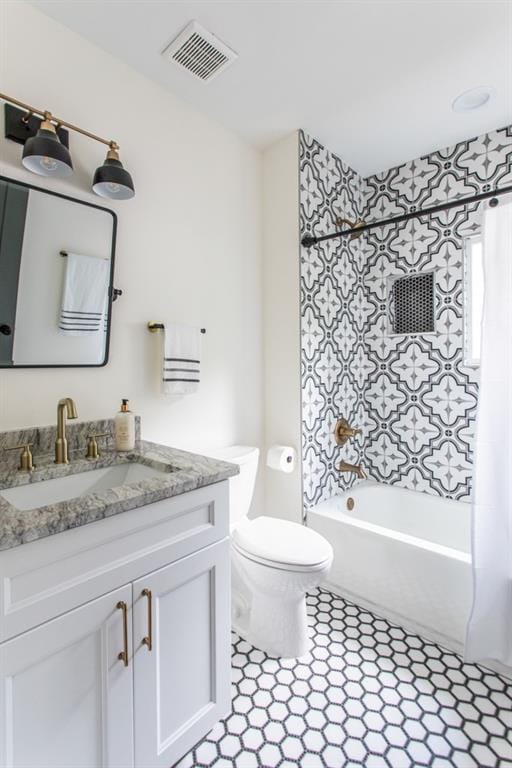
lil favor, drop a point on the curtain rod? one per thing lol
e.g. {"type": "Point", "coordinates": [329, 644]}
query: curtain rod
{"type": "Point", "coordinates": [309, 240]}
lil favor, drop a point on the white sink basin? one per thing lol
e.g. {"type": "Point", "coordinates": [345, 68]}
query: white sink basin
{"type": "Point", "coordinates": [39, 494]}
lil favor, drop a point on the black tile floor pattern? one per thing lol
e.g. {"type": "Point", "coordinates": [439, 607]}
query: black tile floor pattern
{"type": "Point", "coordinates": [368, 694]}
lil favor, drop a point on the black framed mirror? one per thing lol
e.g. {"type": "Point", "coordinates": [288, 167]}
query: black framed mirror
{"type": "Point", "coordinates": [57, 259]}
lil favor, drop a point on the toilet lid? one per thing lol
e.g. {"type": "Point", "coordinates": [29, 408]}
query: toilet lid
{"type": "Point", "coordinates": [280, 541]}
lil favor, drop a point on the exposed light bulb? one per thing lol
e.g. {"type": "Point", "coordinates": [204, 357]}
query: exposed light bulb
{"type": "Point", "coordinates": [44, 153]}
{"type": "Point", "coordinates": [49, 163]}
{"type": "Point", "coordinates": [111, 179]}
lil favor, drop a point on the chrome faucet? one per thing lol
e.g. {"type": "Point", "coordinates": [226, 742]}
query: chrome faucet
{"type": "Point", "coordinates": [357, 469]}
{"type": "Point", "coordinates": [65, 407]}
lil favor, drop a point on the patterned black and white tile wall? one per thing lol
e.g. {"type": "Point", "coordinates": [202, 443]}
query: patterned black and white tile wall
{"type": "Point", "coordinates": [414, 396]}
{"type": "Point", "coordinates": [333, 317]}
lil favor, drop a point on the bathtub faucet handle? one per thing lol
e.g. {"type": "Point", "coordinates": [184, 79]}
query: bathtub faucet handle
{"type": "Point", "coordinates": [343, 431]}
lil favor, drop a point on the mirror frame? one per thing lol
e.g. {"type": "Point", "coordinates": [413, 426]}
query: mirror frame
{"type": "Point", "coordinates": [4, 367]}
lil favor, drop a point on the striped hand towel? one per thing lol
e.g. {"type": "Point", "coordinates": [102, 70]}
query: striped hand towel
{"type": "Point", "coordinates": [84, 298]}
{"type": "Point", "coordinates": [181, 359]}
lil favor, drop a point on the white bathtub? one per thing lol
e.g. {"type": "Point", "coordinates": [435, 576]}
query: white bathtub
{"type": "Point", "coordinates": [404, 555]}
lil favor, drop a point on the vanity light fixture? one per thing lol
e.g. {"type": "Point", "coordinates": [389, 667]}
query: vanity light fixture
{"type": "Point", "coordinates": [45, 150]}
{"type": "Point", "coordinates": [111, 179]}
{"type": "Point", "coordinates": [44, 153]}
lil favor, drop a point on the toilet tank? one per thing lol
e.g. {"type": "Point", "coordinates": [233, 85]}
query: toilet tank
{"type": "Point", "coordinates": [241, 487]}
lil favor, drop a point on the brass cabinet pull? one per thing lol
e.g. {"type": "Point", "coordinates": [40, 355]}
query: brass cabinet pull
{"type": "Point", "coordinates": [148, 640]}
{"type": "Point", "coordinates": [123, 655]}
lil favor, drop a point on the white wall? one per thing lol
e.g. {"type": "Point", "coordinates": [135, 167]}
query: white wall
{"type": "Point", "coordinates": [281, 313]}
{"type": "Point", "coordinates": [189, 243]}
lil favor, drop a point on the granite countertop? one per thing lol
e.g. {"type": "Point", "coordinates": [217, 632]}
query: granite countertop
{"type": "Point", "coordinates": [184, 472]}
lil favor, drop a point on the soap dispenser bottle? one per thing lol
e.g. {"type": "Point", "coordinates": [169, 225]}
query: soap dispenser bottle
{"type": "Point", "coordinates": [125, 428]}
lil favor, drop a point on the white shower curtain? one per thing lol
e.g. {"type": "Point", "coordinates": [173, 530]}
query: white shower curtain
{"type": "Point", "coordinates": [489, 634]}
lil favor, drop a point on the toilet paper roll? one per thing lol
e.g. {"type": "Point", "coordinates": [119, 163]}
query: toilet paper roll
{"type": "Point", "coordinates": [281, 458]}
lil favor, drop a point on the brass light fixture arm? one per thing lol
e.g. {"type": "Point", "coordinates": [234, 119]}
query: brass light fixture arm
{"type": "Point", "coordinates": [46, 115]}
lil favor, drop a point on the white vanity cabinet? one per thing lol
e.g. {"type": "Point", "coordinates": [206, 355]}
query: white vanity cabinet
{"type": "Point", "coordinates": [134, 676]}
{"type": "Point", "coordinates": [66, 700]}
{"type": "Point", "coordinates": [182, 657]}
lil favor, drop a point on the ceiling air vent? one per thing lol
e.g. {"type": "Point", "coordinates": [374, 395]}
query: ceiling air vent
{"type": "Point", "coordinates": [200, 52]}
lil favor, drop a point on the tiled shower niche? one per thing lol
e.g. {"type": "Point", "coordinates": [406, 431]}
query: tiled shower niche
{"type": "Point", "coordinates": [411, 303]}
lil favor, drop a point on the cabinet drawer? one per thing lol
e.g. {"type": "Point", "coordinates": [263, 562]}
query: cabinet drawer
{"type": "Point", "coordinates": [45, 578]}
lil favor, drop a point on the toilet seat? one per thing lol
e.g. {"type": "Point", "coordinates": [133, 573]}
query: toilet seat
{"type": "Point", "coordinates": [281, 544]}
{"type": "Point", "coordinates": [280, 566]}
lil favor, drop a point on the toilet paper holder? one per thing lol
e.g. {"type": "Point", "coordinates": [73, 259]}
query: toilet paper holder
{"type": "Point", "coordinates": [281, 458]}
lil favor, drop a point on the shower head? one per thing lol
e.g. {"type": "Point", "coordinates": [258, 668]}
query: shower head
{"type": "Point", "coordinates": [340, 221]}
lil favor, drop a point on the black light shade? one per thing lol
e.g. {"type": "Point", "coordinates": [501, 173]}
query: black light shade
{"type": "Point", "coordinates": [112, 180]}
{"type": "Point", "coordinates": [45, 155]}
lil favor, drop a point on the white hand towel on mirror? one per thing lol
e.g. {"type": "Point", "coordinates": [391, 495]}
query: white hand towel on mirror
{"type": "Point", "coordinates": [84, 298]}
{"type": "Point", "coordinates": [181, 359]}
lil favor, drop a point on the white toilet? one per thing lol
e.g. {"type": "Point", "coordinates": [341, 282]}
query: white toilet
{"type": "Point", "coordinates": [274, 564]}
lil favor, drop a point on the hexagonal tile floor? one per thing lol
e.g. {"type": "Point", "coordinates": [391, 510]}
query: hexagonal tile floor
{"type": "Point", "coordinates": [368, 694]}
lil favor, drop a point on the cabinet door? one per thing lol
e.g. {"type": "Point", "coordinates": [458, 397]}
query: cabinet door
{"type": "Point", "coordinates": [66, 699]}
{"type": "Point", "coordinates": [181, 654]}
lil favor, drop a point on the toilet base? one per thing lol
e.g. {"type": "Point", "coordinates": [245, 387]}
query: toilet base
{"type": "Point", "coordinates": [278, 626]}
{"type": "Point", "coordinates": [269, 604]}
{"type": "Point", "coordinates": [274, 623]}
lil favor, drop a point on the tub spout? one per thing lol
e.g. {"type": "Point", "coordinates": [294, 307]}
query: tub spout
{"type": "Point", "coordinates": [357, 469]}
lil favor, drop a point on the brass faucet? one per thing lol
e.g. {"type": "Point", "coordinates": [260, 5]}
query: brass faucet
{"type": "Point", "coordinates": [93, 452]}
{"type": "Point", "coordinates": [357, 469]}
{"type": "Point", "coordinates": [343, 431]}
{"type": "Point", "coordinates": [65, 407]}
{"type": "Point", "coordinates": [26, 460]}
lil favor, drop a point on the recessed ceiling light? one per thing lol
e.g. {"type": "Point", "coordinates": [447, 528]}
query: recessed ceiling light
{"type": "Point", "coordinates": [475, 98]}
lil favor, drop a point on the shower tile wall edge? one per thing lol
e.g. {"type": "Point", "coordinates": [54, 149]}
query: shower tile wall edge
{"type": "Point", "coordinates": [332, 344]}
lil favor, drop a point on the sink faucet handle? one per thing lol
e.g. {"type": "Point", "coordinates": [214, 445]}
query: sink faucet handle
{"type": "Point", "coordinates": [92, 446]}
{"type": "Point", "coordinates": [26, 459]}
